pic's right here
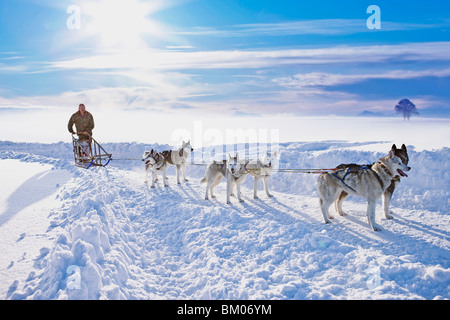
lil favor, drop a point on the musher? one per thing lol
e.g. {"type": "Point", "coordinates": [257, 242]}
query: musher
{"type": "Point", "coordinates": [84, 124]}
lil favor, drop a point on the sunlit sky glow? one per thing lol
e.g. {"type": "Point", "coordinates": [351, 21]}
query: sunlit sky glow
{"type": "Point", "coordinates": [239, 58]}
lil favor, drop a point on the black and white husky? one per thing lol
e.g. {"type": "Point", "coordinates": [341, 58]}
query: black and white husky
{"type": "Point", "coordinates": [369, 182]}
{"type": "Point", "coordinates": [179, 158]}
{"type": "Point", "coordinates": [233, 170]}
{"type": "Point", "coordinates": [155, 162]}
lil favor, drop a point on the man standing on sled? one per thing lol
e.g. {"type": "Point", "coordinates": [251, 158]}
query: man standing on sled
{"type": "Point", "coordinates": [84, 124]}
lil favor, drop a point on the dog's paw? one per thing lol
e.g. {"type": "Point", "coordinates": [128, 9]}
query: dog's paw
{"type": "Point", "coordinates": [241, 201]}
{"type": "Point", "coordinates": [389, 215]}
{"type": "Point", "coordinates": [166, 185]}
{"type": "Point", "coordinates": [213, 197]}
{"type": "Point", "coordinates": [153, 187]}
{"type": "Point", "coordinates": [256, 197]}
{"type": "Point", "coordinates": [376, 227]}
{"type": "Point", "coordinates": [327, 221]}
{"type": "Point", "coordinates": [342, 213]}
{"type": "Point", "coordinates": [270, 195]}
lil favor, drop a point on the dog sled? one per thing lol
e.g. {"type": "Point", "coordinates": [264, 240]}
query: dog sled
{"type": "Point", "coordinates": [89, 153]}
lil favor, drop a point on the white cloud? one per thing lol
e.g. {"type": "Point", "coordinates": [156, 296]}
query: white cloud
{"type": "Point", "coordinates": [304, 27]}
{"type": "Point", "coordinates": [314, 79]}
{"type": "Point", "coordinates": [12, 69]}
{"type": "Point", "coordinates": [150, 59]}
{"type": "Point", "coordinates": [154, 79]}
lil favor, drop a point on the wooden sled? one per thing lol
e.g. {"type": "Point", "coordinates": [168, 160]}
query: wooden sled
{"type": "Point", "coordinates": [89, 153]}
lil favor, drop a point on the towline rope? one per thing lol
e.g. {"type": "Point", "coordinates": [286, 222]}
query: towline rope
{"type": "Point", "coordinates": [127, 159]}
{"type": "Point", "coordinates": [309, 171]}
{"type": "Point", "coordinates": [285, 170]}
{"type": "Point", "coordinates": [281, 170]}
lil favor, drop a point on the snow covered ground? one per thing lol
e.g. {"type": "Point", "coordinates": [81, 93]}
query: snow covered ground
{"type": "Point", "coordinates": [70, 233]}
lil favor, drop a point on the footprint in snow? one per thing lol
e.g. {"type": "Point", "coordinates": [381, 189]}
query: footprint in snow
{"type": "Point", "coordinates": [21, 237]}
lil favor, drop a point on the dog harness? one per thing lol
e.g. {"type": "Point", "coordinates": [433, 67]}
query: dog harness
{"type": "Point", "coordinates": [159, 161]}
{"type": "Point", "coordinates": [168, 155]}
{"type": "Point", "coordinates": [352, 169]}
{"type": "Point", "coordinates": [241, 171]}
{"type": "Point", "coordinates": [254, 171]}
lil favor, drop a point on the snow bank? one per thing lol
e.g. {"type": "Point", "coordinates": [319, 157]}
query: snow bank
{"type": "Point", "coordinates": [82, 264]}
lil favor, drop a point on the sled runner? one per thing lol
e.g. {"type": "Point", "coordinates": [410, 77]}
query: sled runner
{"type": "Point", "coordinates": [89, 153]}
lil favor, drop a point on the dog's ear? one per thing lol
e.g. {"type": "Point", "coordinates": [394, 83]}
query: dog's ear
{"type": "Point", "coordinates": [391, 154]}
{"type": "Point", "coordinates": [237, 156]}
{"type": "Point", "coordinates": [403, 147]}
{"type": "Point", "coordinates": [394, 147]}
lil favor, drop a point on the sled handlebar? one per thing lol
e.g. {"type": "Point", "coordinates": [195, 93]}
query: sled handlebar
{"type": "Point", "coordinates": [81, 133]}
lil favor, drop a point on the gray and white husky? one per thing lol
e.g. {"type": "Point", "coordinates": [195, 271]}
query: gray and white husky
{"type": "Point", "coordinates": [262, 169]}
{"type": "Point", "coordinates": [155, 162]}
{"type": "Point", "coordinates": [179, 158]}
{"type": "Point", "coordinates": [233, 170]}
{"type": "Point", "coordinates": [368, 182]}
{"type": "Point", "coordinates": [402, 153]}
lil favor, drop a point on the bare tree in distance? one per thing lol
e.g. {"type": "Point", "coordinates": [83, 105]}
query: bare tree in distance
{"type": "Point", "coordinates": [406, 108]}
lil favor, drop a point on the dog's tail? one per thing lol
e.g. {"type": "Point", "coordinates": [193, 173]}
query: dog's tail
{"type": "Point", "coordinates": [203, 180]}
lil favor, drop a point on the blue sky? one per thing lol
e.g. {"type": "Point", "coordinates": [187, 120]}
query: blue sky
{"type": "Point", "coordinates": [232, 57]}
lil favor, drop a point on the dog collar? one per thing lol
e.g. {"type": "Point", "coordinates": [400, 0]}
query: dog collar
{"type": "Point", "coordinates": [237, 174]}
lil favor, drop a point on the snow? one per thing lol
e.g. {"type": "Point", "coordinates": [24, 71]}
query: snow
{"type": "Point", "coordinates": [26, 197]}
{"type": "Point", "coordinates": [71, 233]}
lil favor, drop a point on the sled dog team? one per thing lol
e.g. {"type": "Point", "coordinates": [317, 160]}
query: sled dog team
{"type": "Point", "coordinates": [369, 181]}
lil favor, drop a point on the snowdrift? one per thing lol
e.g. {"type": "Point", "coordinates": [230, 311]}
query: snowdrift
{"type": "Point", "coordinates": [110, 236]}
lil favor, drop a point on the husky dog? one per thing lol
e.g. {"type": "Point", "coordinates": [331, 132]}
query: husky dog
{"type": "Point", "coordinates": [387, 195]}
{"type": "Point", "coordinates": [178, 158]}
{"type": "Point", "coordinates": [233, 171]}
{"type": "Point", "coordinates": [262, 169]}
{"type": "Point", "coordinates": [154, 161]}
{"type": "Point", "coordinates": [368, 182]}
